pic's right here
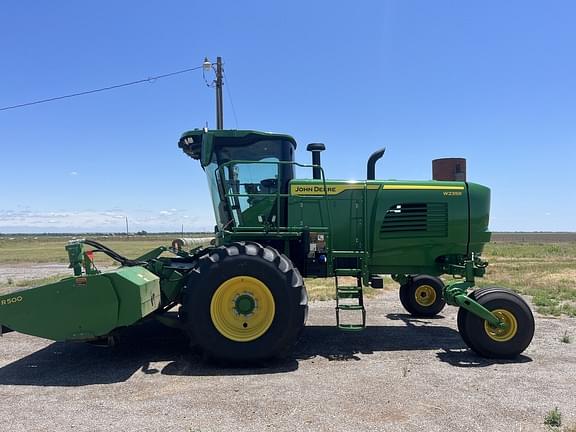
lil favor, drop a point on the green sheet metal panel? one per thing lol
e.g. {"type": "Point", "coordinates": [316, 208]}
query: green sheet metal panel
{"type": "Point", "coordinates": [341, 208]}
{"type": "Point", "coordinates": [83, 307]}
{"type": "Point", "coordinates": [414, 223]}
{"type": "Point", "coordinates": [138, 293]}
{"type": "Point", "coordinates": [479, 216]}
{"type": "Point", "coordinates": [75, 308]}
{"type": "Point", "coordinates": [409, 225]}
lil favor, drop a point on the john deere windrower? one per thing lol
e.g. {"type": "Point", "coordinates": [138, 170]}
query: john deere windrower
{"type": "Point", "coordinates": [243, 298]}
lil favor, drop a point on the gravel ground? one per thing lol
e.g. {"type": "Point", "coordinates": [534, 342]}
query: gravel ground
{"type": "Point", "coordinates": [19, 272]}
{"type": "Point", "coordinates": [400, 374]}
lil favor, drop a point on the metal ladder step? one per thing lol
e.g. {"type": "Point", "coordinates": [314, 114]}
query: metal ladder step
{"type": "Point", "coordinates": [350, 307]}
{"type": "Point", "coordinates": [351, 327]}
{"type": "Point", "coordinates": [348, 253]}
{"type": "Point", "coordinates": [348, 292]}
{"type": "Point", "coordinates": [352, 296]}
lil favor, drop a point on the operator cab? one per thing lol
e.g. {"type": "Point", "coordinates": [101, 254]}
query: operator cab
{"type": "Point", "coordinates": [247, 172]}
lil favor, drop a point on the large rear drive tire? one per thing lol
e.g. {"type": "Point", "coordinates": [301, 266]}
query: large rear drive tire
{"type": "Point", "coordinates": [422, 296]}
{"type": "Point", "coordinates": [244, 303]}
{"type": "Point", "coordinates": [492, 342]}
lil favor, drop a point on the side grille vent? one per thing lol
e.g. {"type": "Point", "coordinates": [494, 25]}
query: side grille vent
{"type": "Point", "coordinates": [415, 220]}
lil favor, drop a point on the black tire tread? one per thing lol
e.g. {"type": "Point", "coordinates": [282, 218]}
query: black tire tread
{"type": "Point", "coordinates": [468, 325]}
{"type": "Point", "coordinates": [406, 295]}
{"type": "Point", "coordinates": [206, 267]}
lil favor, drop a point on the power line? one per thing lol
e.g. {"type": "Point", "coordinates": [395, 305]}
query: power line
{"type": "Point", "coordinates": [230, 97]}
{"type": "Point", "coordinates": [149, 79]}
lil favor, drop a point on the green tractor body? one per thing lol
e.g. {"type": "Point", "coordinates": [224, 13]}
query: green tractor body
{"type": "Point", "coordinates": [243, 298]}
{"type": "Point", "coordinates": [378, 227]}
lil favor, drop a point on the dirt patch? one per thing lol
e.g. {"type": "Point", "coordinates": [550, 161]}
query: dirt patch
{"type": "Point", "coordinates": [566, 276]}
{"type": "Point", "coordinates": [21, 272]}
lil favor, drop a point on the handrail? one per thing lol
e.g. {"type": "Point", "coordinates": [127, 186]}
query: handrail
{"type": "Point", "coordinates": [277, 195]}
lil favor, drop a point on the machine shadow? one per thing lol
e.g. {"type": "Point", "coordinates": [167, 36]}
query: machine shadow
{"type": "Point", "coordinates": [140, 347]}
{"type": "Point", "coordinates": [334, 345]}
{"type": "Point", "coordinates": [466, 358]}
{"type": "Point", "coordinates": [80, 364]}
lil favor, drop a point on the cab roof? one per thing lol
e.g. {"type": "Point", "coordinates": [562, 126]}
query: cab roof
{"type": "Point", "coordinates": [234, 136]}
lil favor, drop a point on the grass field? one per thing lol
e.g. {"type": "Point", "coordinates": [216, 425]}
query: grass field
{"type": "Point", "coordinates": [545, 271]}
{"type": "Point", "coordinates": [532, 264]}
{"type": "Point", "coordinates": [45, 249]}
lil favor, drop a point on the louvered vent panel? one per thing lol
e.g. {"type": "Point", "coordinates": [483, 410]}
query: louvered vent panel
{"type": "Point", "coordinates": [415, 220]}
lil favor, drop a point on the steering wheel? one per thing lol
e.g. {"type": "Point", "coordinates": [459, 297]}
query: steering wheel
{"type": "Point", "coordinates": [270, 183]}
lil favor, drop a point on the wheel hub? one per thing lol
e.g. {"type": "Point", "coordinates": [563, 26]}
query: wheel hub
{"type": "Point", "coordinates": [425, 295]}
{"type": "Point", "coordinates": [245, 304]}
{"type": "Point", "coordinates": [505, 332]}
{"type": "Point", "coordinates": [242, 308]}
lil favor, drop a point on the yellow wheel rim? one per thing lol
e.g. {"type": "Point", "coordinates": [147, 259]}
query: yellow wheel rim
{"type": "Point", "coordinates": [507, 332]}
{"type": "Point", "coordinates": [242, 309]}
{"type": "Point", "coordinates": [425, 295]}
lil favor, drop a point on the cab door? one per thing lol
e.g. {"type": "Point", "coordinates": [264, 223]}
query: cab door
{"type": "Point", "coordinates": [251, 191]}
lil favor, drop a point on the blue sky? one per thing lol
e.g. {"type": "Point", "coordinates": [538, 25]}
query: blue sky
{"type": "Point", "coordinates": [490, 81]}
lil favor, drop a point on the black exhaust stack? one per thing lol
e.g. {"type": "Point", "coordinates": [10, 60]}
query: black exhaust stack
{"type": "Point", "coordinates": [371, 166]}
{"type": "Point", "coordinates": [316, 148]}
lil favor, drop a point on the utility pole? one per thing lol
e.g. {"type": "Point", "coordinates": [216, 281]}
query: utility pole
{"type": "Point", "coordinates": [219, 104]}
{"type": "Point", "coordinates": [127, 232]}
{"type": "Point", "coordinates": [207, 66]}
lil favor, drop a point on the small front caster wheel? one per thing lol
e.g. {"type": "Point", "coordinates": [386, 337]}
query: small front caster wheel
{"type": "Point", "coordinates": [422, 296]}
{"type": "Point", "coordinates": [495, 342]}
